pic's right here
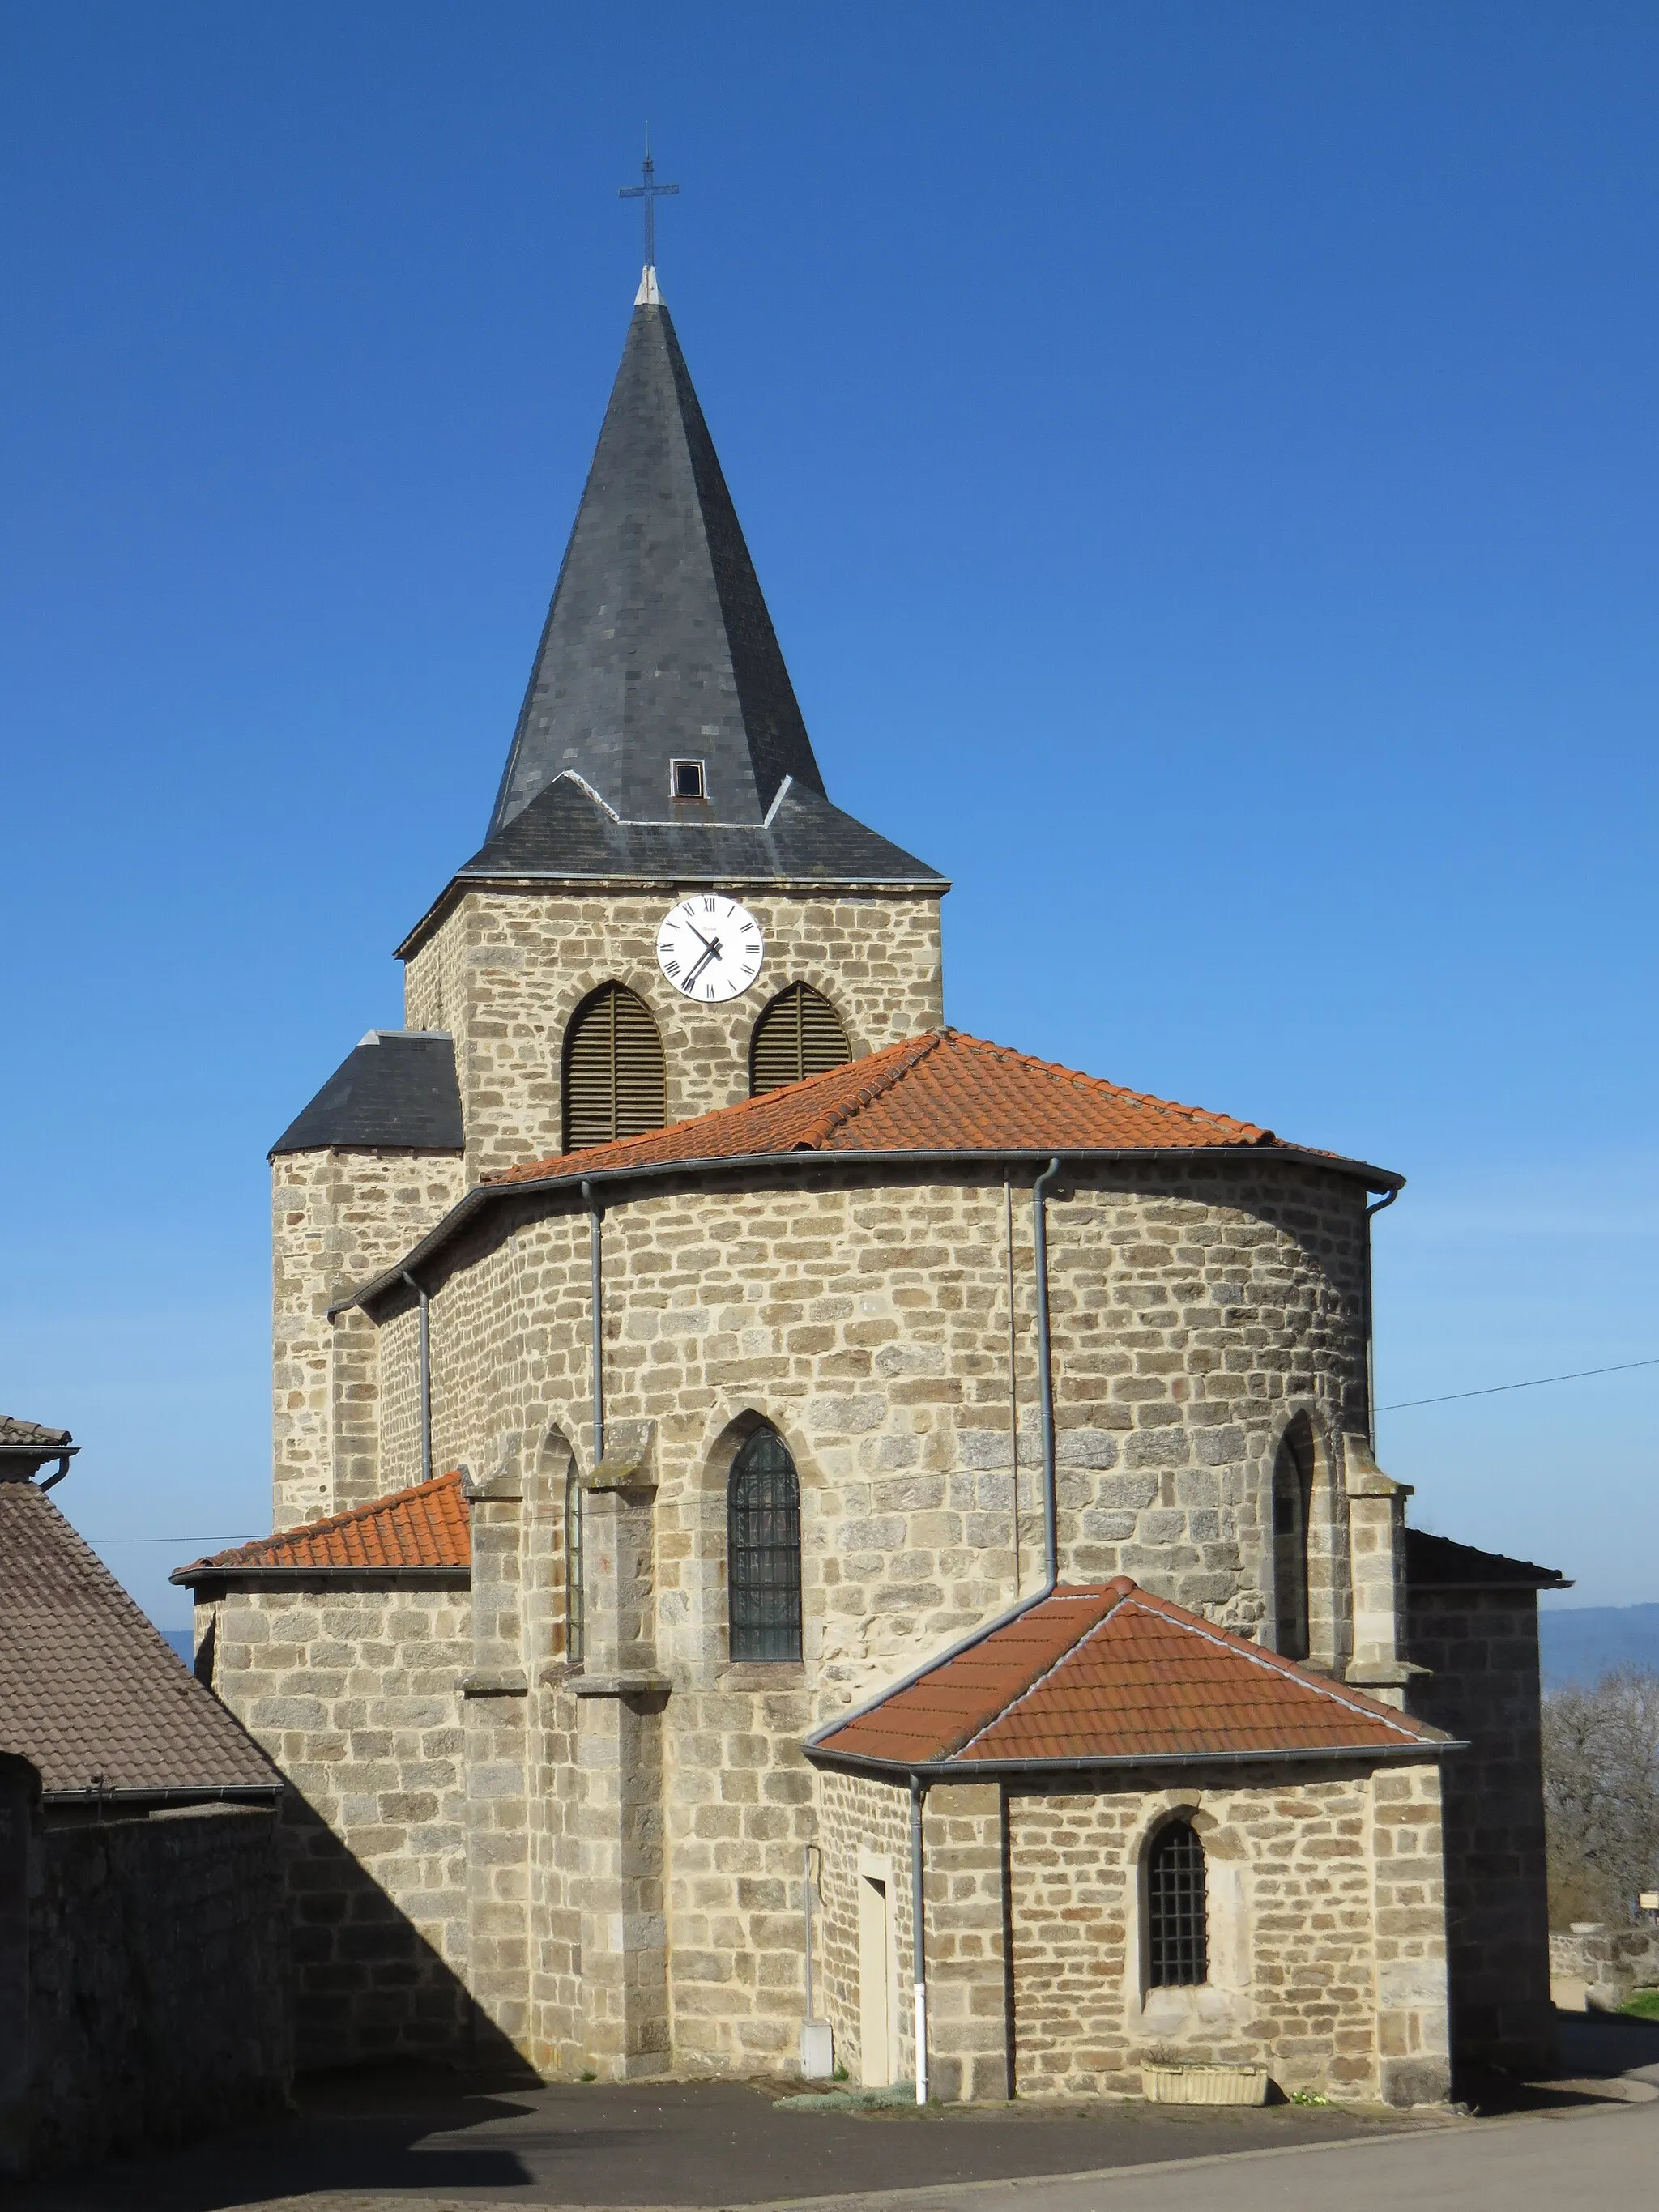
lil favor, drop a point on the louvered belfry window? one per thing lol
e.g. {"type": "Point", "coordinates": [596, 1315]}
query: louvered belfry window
{"type": "Point", "coordinates": [798, 1034]}
{"type": "Point", "coordinates": [1178, 1914]}
{"type": "Point", "coordinates": [615, 1085]}
{"type": "Point", "coordinates": [764, 1550]}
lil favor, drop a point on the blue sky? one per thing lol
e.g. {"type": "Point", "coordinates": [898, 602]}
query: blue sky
{"type": "Point", "coordinates": [1203, 464]}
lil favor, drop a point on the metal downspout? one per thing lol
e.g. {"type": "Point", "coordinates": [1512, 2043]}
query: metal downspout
{"type": "Point", "coordinates": [919, 1938]}
{"type": "Point", "coordinates": [1013, 1371]}
{"type": "Point", "coordinates": [1045, 1378]}
{"type": "Point", "coordinates": [594, 1216]}
{"type": "Point", "coordinates": [1370, 1326]}
{"type": "Point", "coordinates": [426, 1376]}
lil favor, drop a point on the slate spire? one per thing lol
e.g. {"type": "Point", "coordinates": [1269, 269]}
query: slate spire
{"type": "Point", "coordinates": [658, 646]}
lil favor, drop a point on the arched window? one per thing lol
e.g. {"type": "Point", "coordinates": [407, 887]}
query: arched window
{"type": "Point", "coordinates": [575, 1614]}
{"type": "Point", "coordinates": [1177, 1915]}
{"type": "Point", "coordinates": [1292, 1506]}
{"type": "Point", "coordinates": [615, 1085]}
{"type": "Point", "coordinates": [762, 1512]}
{"type": "Point", "coordinates": [798, 1034]}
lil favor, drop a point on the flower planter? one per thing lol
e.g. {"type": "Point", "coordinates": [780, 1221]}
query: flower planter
{"type": "Point", "coordinates": [1203, 2084]}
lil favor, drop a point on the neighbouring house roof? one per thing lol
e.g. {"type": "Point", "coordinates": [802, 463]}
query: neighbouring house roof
{"type": "Point", "coordinates": [1110, 1676]}
{"type": "Point", "coordinates": [423, 1529]}
{"type": "Point", "coordinates": [24, 1445]}
{"type": "Point", "coordinates": [941, 1092]}
{"type": "Point", "coordinates": [1437, 1563]}
{"type": "Point", "coordinates": [89, 1692]}
{"type": "Point", "coordinates": [396, 1091]}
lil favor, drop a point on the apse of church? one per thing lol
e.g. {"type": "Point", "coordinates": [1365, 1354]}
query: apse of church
{"type": "Point", "coordinates": [696, 1370]}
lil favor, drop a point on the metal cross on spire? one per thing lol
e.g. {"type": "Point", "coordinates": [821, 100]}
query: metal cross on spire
{"type": "Point", "coordinates": [650, 191]}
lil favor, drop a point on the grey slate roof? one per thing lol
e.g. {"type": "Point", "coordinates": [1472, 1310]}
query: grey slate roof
{"type": "Point", "coordinates": [565, 831]}
{"type": "Point", "coordinates": [397, 1090]}
{"type": "Point", "coordinates": [88, 1687]}
{"type": "Point", "coordinates": [1438, 1563]}
{"type": "Point", "coordinates": [658, 643]}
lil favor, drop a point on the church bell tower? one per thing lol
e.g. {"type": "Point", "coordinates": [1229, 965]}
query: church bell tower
{"type": "Point", "coordinates": [661, 761]}
{"type": "Point", "coordinates": [667, 915]}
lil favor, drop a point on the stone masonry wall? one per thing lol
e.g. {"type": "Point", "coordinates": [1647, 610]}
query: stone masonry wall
{"type": "Point", "coordinates": [158, 2000]}
{"type": "Point", "coordinates": [1481, 1647]}
{"type": "Point", "coordinates": [337, 1218]}
{"type": "Point", "coordinates": [1196, 1307]}
{"type": "Point", "coordinates": [1326, 1934]}
{"type": "Point", "coordinates": [504, 972]}
{"type": "Point", "coordinates": [357, 1697]}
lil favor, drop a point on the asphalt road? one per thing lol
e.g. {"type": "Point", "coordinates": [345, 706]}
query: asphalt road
{"type": "Point", "coordinates": [409, 2143]}
{"type": "Point", "coordinates": [674, 2144]}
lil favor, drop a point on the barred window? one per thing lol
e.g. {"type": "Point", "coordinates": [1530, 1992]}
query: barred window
{"type": "Point", "coordinates": [764, 1550]}
{"type": "Point", "coordinates": [798, 1034]}
{"type": "Point", "coordinates": [615, 1082]}
{"type": "Point", "coordinates": [576, 1611]}
{"type": "Point", "coordinates": [1291, 1501]}
{"type": "Point", "coordinates": [1176, 1910]}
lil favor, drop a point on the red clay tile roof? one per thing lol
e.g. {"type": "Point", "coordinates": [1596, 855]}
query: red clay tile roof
{"type": "Point", "coordinates": [1109, 1672]}
{"type": "Point", "coordinates": [88, 1687]}
{"type": "Point", "coordinates": [940, 1092]}
{"type": "Point", "coordinates": [423, 1526]}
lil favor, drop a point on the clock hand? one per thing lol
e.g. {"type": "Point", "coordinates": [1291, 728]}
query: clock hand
{"type": "Point", "coordinates": [697, 966]}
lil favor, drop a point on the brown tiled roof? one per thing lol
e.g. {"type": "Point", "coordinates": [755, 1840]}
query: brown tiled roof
{"type": "Point", "coordinates": [88, 1687]}
{"type": "Point", "coordinates": [940, 1092]}
{"type": "Point", "coordinates": [1111, 1673]}
{"type": "Point", "coordinates": [29, 1435]}
{"type": "Point", "coordinates": [423, 1526]}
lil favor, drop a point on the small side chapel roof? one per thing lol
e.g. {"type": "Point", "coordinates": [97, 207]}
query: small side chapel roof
{"type": "Point", "coordinates": [395, 1092]}
{"type": "Point", "coordinates": [1438, 1563]}
{"type": "Point", "coordinates": [1108, 1674]}
{"type": "Point", "coordinates": [423, 1528]}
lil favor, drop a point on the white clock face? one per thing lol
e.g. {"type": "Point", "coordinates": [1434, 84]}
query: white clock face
{"type": "Point", "coordinates": [709, 947]}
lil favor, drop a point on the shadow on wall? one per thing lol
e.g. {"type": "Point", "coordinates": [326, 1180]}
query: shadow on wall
{"type": "Point", "coordinates": [144, 1980]}
{"type": "Point", "coordinates": [367, 1984]}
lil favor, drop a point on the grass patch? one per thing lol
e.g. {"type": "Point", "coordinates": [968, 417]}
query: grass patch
{"type": "Point", "coordinates": [849, 2100]}
{"type": "Point", "coordinates": [1645, 2005]}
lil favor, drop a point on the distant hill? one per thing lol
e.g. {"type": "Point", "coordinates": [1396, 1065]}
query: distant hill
{"type": "Point", "coordinates": [1583, 1641]}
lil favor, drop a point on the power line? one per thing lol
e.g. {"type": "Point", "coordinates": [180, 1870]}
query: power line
{"type": "Point", "coordinates": [1497, 1390]}
{"type": "Point", "coordinates": [168, 1540]}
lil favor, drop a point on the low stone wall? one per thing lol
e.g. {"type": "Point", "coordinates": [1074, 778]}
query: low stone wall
{"type": "Point", "coordinates": [1600, 1969]}
{"type": "Point", "coordinates": [158, 1983]}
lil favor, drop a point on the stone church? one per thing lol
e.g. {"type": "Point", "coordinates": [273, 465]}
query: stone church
{"type": "Point", "coordinates": [805, 1539]}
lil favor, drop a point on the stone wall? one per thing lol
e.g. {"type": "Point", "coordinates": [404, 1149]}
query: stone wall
{"type": "Point", "coordinates": [1481, 1648]}
{"type": "Point", "coordinates": [158, 1983]}
{"type": "Point", "coordinates": [357, 1695]}
{"type": "Point", "coordinates": [337, 1218]}
{"type": "Point", "coordinates": [1598, 1969]}
{"type": "Point", "coordinates": [505, 971]}
{"type": "Point", "coordinates": [1327, 1943]}
{"type": "Point", "coordinates": [1196, 1307]}
{"type": "Point", "coordinates": [1326, 1934]}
